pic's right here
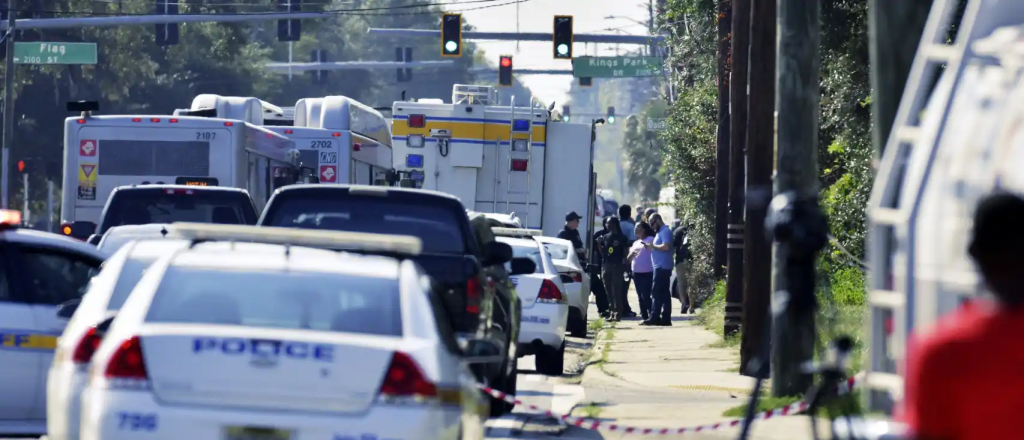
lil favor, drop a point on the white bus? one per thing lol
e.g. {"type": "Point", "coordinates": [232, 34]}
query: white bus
{"type": "Point", "coordinates": [344, 140]}
{"type": "Point", "coordinates": [104, 152]}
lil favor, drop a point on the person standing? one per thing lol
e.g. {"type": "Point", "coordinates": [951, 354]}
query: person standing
{"type": "Point", "coordinates": [596, 282]}
{"type": "Point", "coordinates": [613, 249]}
{"type": "Point", "coordinates": [681, 245]}
{"type": "Point", "coordinates": [570, 232]}
{"type": "Point", "coordinates": [628, 230]}
{"type": "Point", "coordinates": [642, 267]}
{"type": "Point", "coordinates": [661, 256]}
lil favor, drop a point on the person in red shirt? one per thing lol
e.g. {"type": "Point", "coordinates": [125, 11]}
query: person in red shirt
{"type": "Point", "coordinates": [965, 379]}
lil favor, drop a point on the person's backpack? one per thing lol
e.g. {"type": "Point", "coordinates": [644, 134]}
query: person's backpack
{"type": "Point", "coordinates": [684, 248]}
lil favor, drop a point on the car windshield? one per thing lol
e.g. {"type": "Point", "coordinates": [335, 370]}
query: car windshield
{"type": "Point", "coordinates": [326, 302]}
{"type": "Point", "coordinates": [436, 226]}
{"type": "Point", "coordinates": [557, 251]}
{"type": "Point", "coordinates": [130, 275]}
{"type": "Point", "coordinates": [141, 207]}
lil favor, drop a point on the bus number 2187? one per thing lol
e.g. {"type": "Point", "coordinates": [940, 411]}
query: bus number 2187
{"type": "Point", "coordinates": [206, 135]}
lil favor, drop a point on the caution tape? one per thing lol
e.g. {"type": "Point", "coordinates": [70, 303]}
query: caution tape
{"type": "Point", "coordinates": [583, 422]}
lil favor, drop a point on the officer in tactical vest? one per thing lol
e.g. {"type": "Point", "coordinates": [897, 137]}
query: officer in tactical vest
{"type": "Point", "coordinates": [613, 247]}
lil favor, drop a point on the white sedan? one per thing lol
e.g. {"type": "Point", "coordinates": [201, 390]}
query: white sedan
{"type": "Point", "coordinates": [244, 341]}
{"type": "Point", "coordinates": [545, 310]}
{"type": "Point", "coordinates": [90, 319]}
{"type": "Point", "coordinates": [576, 281]}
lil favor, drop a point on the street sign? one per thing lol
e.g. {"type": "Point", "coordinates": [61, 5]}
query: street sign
{"type": "Point", "coordinates": [45, 52]}
{"type": "Point", "coordinates": [616, 67]}
{"type": "Point", "coordinates": [655, 124]}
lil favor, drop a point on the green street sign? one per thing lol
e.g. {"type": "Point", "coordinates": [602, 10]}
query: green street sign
{"type": "Point", "coordinates": [616, 67]}
{"type": "Point", "coordinates": [46, 52]}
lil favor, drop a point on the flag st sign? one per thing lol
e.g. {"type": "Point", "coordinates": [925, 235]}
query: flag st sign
{"type": "Point", "coordinates": [616, 67]}
{"type": "Point", "coordinates": [44, 52]}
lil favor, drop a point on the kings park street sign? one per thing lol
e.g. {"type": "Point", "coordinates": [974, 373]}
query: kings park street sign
{"type": "Point", "coordinates": [44, 52]}
{"type": "Point", "coordinates": [616, 67]}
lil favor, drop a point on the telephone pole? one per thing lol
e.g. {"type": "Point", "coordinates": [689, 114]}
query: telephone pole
{"type": "Point", "coordinates": [797, 100]}
{"type": "Point", "coordinates": [895, 29]}
{"type": "Point", "coordinates": [722, 155]}
{"type": "Point", "coordinates": [737, 165]}
{"type": "Point", "coordinates": [8, 140]}
{"type": "Point", "coordinates": [757, 251]}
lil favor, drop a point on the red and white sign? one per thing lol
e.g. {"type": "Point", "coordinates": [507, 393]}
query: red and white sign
{"type": "Point", "coordinates": [278, 171]}
{"type": "Point", "coordinates": [88, 147]}
{"type": "Point", "coordinates": [328, 173]}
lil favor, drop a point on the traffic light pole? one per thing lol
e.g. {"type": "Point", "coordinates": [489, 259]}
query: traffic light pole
{"type": "Point", "coordinates": [8, 107]}
{"type": "Point", "coordinates": [523, 36]}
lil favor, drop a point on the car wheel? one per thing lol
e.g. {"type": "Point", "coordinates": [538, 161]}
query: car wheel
{"type": "Point", "coordinates": [507, 385]}
{"type": "Point", "coordinates": [578, 327]}
{"type": "Point", "coordinates": [551, 362]}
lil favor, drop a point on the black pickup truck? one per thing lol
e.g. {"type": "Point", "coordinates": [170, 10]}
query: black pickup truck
{"type": "Point", "coordinates": [470, 276]}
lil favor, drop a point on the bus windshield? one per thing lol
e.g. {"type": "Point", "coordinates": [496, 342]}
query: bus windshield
{"type": "Point", "coordinates": [140, 206]}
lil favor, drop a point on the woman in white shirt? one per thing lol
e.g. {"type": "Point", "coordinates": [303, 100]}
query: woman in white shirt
{"type": "Point", "coordinates": [640, 261]}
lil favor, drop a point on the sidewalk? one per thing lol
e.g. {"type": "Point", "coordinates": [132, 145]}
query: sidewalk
{"type": "Point", "coordinates": [669, 377]}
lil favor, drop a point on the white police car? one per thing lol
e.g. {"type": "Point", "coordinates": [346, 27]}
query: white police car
{"type": "Point", "coordinates": [254, 341]}
{"type": "Point", "coordinates": [92, 317]}
{"type": "Point", "coordinates": [545, 306]}
{"type": "Point", "coordinates": [118, 236]}
{"type": "Point", "coordinates": [576, 282]}
{"type": "Point", "coordinates": [39, 271]}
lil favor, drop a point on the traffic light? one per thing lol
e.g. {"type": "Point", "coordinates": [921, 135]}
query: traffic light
{"type": "Point", "coordinates": [563, 37]}
{"type": "Point", "coordinates": [586, 82]}
{"type": "Point", "coordinates": [167, 34]}
{"type": "Point", "coordinates": [22, 166]}
{"type": "Point", "coordinates": [610, 118]}
{"type": "Point", "coordinates": [318, 56]}
{"type": "Point", "coordinates": [288, 30]}
{"type": "Point", "coordinates": [505, 71]}
{"type": "Point", "coordinates": [565, 113]}
{"type": "Point", "coordinates": [451, 35]}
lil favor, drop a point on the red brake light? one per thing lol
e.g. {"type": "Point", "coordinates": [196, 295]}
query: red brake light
{"type": "Point", "coordinates": [289, 131]}
{"type": "Point", "coordinates": [229, 124]}
{"type": "Point", "coordinates": [154, 120]}
{"type": "Point", "coordinates": [549, 292]}
{"type": "Point", "coordinates": [87, 346]}
{"type": "Point", "coordinates": [335, 134]}
{"type": "Point", "coordinates": [405, 379]}
{"type": "Point", "coordinates": [473, 291]}
{"type": "Point", "coordinates": [127, 362]}
{"type": "Point", "coordinates": [417, 121]}
{"type": "Point", "coordinates": [173, 121]}
{"type": "Point", "coordinates": [520, 164]}
{"type": "Point", "coordinates": [81, 121]}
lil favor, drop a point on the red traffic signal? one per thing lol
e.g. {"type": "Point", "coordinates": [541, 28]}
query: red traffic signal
{"type": "Point", "coordinates": [505, 71]}
{"type": "Point", "coordinates": [21, 166]}
{"type": "Point", "coordinates": [506, 61]}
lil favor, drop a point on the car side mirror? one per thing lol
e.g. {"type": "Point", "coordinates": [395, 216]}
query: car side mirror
{"type": "Point", "coordinates": [67, 309]}
{"type": "Point", "coordinates": [80, 230]}
{"type": "Point", "coordinates": [95, 239]}
{"type": "Point", "coordinates": [480, 351]}
{"type": "Point", "coordinates": [521, 266]}
{"type": "Point", "coordinates": [497, 253]}
{"type": "Point", "coordinates": [566, 278]}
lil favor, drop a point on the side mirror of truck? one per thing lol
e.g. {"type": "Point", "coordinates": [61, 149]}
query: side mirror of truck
{"type": "Point", "coordinates": [522, 266]}
{"type": "Point", "coordinates": [497, 253]}
{"type": "Point", "coordinates": [80, 230]}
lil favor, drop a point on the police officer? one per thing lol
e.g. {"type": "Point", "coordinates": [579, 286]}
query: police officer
{"type": "Point", "coordinates": [613, 250]}
{"type": "Point", "coordinates": [596, 283]}
{"type": "Point", "coordinates": [570, 232]}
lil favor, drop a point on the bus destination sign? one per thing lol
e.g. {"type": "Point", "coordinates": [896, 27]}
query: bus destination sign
{"type": "Point", "coordinates": [196, 181]}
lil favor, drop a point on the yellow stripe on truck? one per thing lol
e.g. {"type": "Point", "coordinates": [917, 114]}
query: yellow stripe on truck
{"type": "Point", "coordinates": [467, 130]}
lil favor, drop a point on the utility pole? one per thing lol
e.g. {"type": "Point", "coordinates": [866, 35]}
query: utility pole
{"type": "Point", "coordinates": [737, 164]}
{"type": "Point", "coordinates": [5, 174]}
{"type": "Point", "coordinates": [722, 155]}
{"type": "Point", "coordinates": [797, 101]}
{"type": "Point", "coordinates": [757, 251]}
{"type": "Point", "coordinates": [895, 29]}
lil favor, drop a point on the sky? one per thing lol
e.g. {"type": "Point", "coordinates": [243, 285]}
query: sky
{"type": "Point", "coordinates": [538, 16]}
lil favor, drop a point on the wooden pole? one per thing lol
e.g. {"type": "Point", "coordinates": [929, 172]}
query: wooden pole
{"type": "Point", "coordinates": [757, 252]}
{"type": "Point", "coordinates": [797, 101]}
{"type": "Point", "coordinates": [722, 155]}
{"type": "Point", "coordinates": [895, 29]}
{"type": "Point", "coordinates": [737, 163]}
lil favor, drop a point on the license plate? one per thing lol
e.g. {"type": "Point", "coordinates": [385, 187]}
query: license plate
{"type": "Point", "coordinates": [255, 433]}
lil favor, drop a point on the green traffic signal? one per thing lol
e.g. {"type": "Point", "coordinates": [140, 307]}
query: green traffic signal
{"type": "Point", "coordinates": [451, 46]}
{"type": "Point", "coordinates": [611, 119]}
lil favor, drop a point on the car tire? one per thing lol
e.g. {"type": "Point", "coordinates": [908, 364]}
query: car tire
{"type": "Point", "coordinates": [507, 385]}
{"type": "Point", "coordinates": [578, 327]}
{"type": "Point", "coordinates": [551, 362]}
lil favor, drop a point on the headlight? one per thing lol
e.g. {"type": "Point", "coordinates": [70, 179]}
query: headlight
{"type": "Point", "coordinates": [415, 141]}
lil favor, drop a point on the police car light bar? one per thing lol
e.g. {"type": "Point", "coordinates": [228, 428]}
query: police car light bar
{"type": "Point", "coordinates": [338, 240]}
{"type": "Point", "coordinates": [515, 232]}
{"type": "Point", "coordinates": [9, 218]}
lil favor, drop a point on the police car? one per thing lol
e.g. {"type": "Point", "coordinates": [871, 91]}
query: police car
{"type": "Point", "coordinates": [39, 273]}
{"type": "Point", "coordinates": [118, 236]}
{"type": "Point", "coordinates": [92, 317]}
{"type": "Point", "coordinates": [544, 299]}
{"type": "Point", "coordinates": [576, 281]}
{"type": "Point", "coordinates": [250, 337]}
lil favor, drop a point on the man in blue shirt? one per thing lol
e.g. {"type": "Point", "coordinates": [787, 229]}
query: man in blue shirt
{"type": "Point", "coordinates": [661, 255]}
{"type": "Point", "coordinates": [629, 230]}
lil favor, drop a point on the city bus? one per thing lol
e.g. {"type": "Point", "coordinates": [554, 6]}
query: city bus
{"type": "Point", "coordinates": [202, 148]}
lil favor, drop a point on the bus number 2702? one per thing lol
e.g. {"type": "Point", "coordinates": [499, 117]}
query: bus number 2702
{"type": "Point", "coordinates": [206, 135]}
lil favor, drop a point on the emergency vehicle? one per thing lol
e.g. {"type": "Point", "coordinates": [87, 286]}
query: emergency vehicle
{"type": "Point", "coordinates": [951, 144]}
{"type": "Point", "coordinates": [496, 158]}
{"type": "Point", "coordinates": [344, 140]}
{"type": "Point", "coordinates": [220, 145]}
